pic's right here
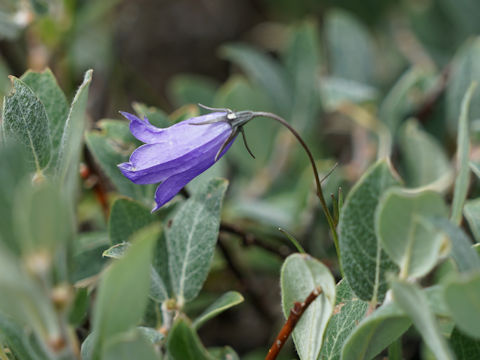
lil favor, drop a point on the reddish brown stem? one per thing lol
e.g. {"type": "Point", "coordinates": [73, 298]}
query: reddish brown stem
{"type": "Point", "coordinates": [295, 314]}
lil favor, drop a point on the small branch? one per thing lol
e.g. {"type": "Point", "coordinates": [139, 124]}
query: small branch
{"type": "Point", "coordinates": [295, 314]}
{"type": "Point", "coordinates": [249, 239]}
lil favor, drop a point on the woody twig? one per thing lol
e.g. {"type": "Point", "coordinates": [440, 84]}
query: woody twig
{"type": "Point", "coordinates": [295, 314]}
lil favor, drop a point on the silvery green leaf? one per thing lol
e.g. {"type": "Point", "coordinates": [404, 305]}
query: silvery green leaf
{"type": "Point", "coordinates": [405, 233]}
{"type": "Point", "coordinates": [26, 121]}
{"type": "Point", "coordinates": [300, 275]}
{"type": "Point", "coordinates": [414, 303]}
{"type": "Point", "coordinates": [463, 298]}
{"type": "Point", "coordinates": [191, 239]}
{"type": "Point", "coordinates": [46, 88]}
{"type": "Point", "coordinates": [363, 260]}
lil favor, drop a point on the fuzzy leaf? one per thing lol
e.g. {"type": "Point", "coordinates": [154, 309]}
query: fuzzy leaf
{"type": "Point", "coordinates": [375, 333]}
{"type": "Point", "coordinates": [363, 261]}
{"type": "Point", "coordinates": [404, 231]}
{"type": "Point", "coordinates": [72, 139]}
{"type": "Point", "coordinates": [349, 311]}
{"type": "Point", "coordinates": [26, 121]}
{"type": "Point", "coordinates": [300, 275]}
{"type": "Point", "coordinates": [191, 239]}
{"type": "Point", "coordinates": [46, 88]}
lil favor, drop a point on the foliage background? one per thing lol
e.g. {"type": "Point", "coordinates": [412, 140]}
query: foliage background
{"type": "Point", "coordinates": [349, 75]}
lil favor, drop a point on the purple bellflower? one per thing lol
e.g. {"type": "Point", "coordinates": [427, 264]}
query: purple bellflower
{"type": "Point", "coordinates": [175, 155]}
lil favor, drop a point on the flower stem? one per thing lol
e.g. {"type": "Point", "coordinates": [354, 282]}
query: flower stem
{"type": "Point", "coordinates": [318, 183]}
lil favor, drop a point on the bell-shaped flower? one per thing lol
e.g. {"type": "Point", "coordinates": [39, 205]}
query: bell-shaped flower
{"type": "Point", "coordinates": [175, 155]}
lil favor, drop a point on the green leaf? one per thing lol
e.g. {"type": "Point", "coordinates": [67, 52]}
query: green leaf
{"type": "Point", "coordinates": [13, 336]}
{"type": "Point", "coordinates": [191, 239]}
{"type": "Point", "coordinates": [349, 311]}
{"type": "Point", "coordinates": [351, 50]}
{"type": "Point", "coordinates": [363, 261]}
{"type": "Point", "coordinates": [26, 121]}
{"type": "Point", "coordinates": [264, 71]}
{"type": "Point", "coordinates": [18, 289]}
{"type": "Point", "coordinates": [464, 347]}
{"type": "Point", "coordinates": [72, 139]}
{"type": "Point", "coordinates": [127, 217]}
{"type": "Point", "coordinates": [40, 6]}
{"type": "Point", "coordinates": [129, 345]}
{"type": "Point", "coordinates": [87, 259]}
{"type": "Point", "coordinates": [300, 275]}
{"type": "Point", "coordinates": [225, 302]}
{"type": "Point", "coordinates": [426, 163]}
{"type": "Point", "coordinates": [183, 343]}
{"type": "Point", "coordinates": [471, 210]}
{"type": "Point", "coordinates": [463, 299]}
{"type": "Point", "coordinates": [375, 333]}
{"type": "Point", "coordinates": [414, 302]}
{"type": "Point", "coordinates": [46, 88]}
{"type": "Point", "coordinates": [399, 100]}
{"type": "Point", "coordinates": [158, 285]}
{"type": "Point", "coordinates": [462, 252]}
{"type": "Point", "coordinates": [116, 251]}
{"type": "Point", "coordinates": [191, 89]}
{"type": "Point", "coordinates": [405, 234]}
{"type": "Point", "coordinates": [13, 162]}
{"type": "Point", "coordinates": [224, 353]}
{"type": "Point", "coordinates": [465, 69]}
{"type": "Point", "coordinates": [111, 146]}
{"type": "Point", "coordinates": [463, 150]}
{"type": "Point", "coordinates": [79, 308]}
{"type": "Point", "coordinates": [123, 291]}
{"type": "Point", "coordinates": [302, 62]}
{"type": "Point", "coordinates": [334, 91]}
{"type": "Point", "coordinates": [154, 335]}
{"type": "Point", "coordinates": [41, 218]}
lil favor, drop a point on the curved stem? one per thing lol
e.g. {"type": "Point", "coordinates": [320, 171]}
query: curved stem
{"type": "Point", "coordinates": [318, 182]}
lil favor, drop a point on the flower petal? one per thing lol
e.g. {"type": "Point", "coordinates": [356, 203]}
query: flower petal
{"type": "Point", "coordinates": [180, 135]}
{"type": "Point", "coordinates": [171, 186]}
{"type": "Point", "coordinates": [152, 163]}
{"type": "Point", "coordinates": [142, 129]}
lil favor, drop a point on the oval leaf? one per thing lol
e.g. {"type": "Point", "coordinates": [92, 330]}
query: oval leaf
{"type": "Point", "coordinates": [349, 311]}
{"type": "Point", "coordinates": [191, 239]}
{"type": "Point", "coordinates": [404, 232]}
{"type": "Point", "coordinates": [415, 304]}
{"type": "Point", "coordinates": [300, 275]}
{"type": "Point", "coordinates": [46, 87]}
{"type": "Point", "coordinates": [463, 299]}
{"type": "Point", "coordinates": [183, 343]}
{"type": "Point", "coordinates": [363, 261]}
{"type": "Point", "coordinates": [375, 333]}
{"type": "Point", "coordinates": [123, 292]}
{"type": "Point", "coordinates": [25, 119]}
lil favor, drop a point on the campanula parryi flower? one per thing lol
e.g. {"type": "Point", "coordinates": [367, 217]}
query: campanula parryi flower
{"type": "Point", "coordinates": [175, 155]}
